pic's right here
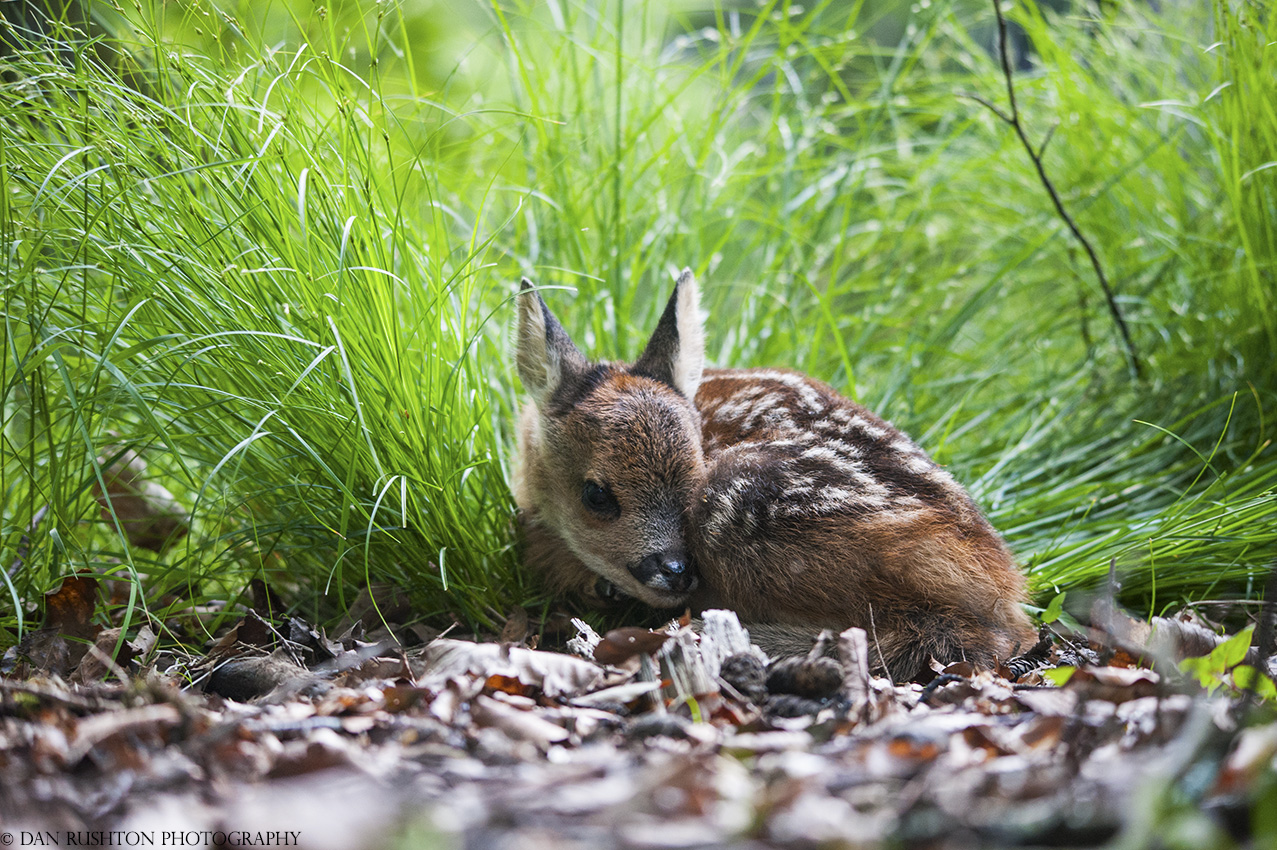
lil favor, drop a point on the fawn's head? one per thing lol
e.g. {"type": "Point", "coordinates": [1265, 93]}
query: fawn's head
{"type": "Point", "coordinates": [610, 454]}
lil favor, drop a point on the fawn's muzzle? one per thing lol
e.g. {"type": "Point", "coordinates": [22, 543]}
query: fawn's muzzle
{"type": "Point", "coordinates": [668, 571]}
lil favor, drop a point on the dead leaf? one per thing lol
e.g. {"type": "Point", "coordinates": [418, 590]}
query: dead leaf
{"type": "Point", "coordinates": [1168, 640]}
{"type": "Point", "coordinates": [403, 697]}
{"type": "Point", "coordinates": [505, 684]}
{"type": "Point", "coordinates": [1040, 733]}
{"type": "Point", "coordinates": [252, 630]}
{"type": "Point", "coordinates": [93, 731]}
{"type": "Point", "coordinates": [69, 609]}
{"type": "Point", "coordinates": [62, 641]}
{"type": "Point", "coordinates": [304, 635]}
{"type": "Point", "coordinates": [753, 743]}
{"type": "Point", "coordinates": [49, 651]}
{"type": "Point", "coordinates": [320, 750]}
{"type": "Point", "coordinates": [1114, 684]}
{"type": "Point", "coordinates": [520, 725]}
{"type": "Point", "coordinates": [449, 699]}
{"type": "Point", "coordinates": [149, 514]}
{"type": "Point", "coordinates": [1048, 702]}
{"type": "Point", "coordinates": [912, 748]}
{"type": "Point", "coordinates": [965, 669]}
{"type": "Point", "coordinates": [555, 674]}
{"type": "Point", "coordinates": [515, 629]}
{"type": "Point", "coordinates": [617, 694]}
{"type": "Point", "coordinates": [264, 597]}
{"type": "Point", "coordinates": [97, 662]}
{"type": "Point", "coordinates": [983, 738]}
{"type": "Point", "coordinates": [1252, 753]}
{"type": "Point", "coordinates": [620, 645]}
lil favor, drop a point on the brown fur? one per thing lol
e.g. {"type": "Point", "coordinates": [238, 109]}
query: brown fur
{"type": "Point", "coordinates": [795, 507]}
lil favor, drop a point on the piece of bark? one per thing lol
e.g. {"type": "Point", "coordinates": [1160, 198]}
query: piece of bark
{"type": "Point", "coordinates": [685, 667]}
{"type": "Point", "coordinates": [586, 639]}
{"type": "Point", "coordinates": [853, 649]}
{"type": "Point", "coordinates": [722, 636]}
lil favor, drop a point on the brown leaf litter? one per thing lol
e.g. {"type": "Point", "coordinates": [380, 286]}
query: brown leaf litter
{"type": "Point", "coordinates": [638, 740]}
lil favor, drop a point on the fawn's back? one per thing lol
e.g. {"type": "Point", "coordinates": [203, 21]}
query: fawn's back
{"type": "Point", "coordinates": [762, 491]}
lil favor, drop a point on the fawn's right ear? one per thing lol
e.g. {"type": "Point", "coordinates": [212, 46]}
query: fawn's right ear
{"type": "Point", "coordinates": [546, 354]}
{"type": "Point", "coordinates": [676, 352]}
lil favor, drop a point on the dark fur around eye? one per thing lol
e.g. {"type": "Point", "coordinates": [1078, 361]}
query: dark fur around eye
{"type": "Point", "coordinates": [598, 499]}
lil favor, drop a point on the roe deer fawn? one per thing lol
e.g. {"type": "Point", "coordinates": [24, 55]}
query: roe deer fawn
{"type": "Point", "coordinates": [759, 490]}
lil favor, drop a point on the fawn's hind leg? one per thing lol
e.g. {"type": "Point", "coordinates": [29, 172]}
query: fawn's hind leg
{"type": "Point", "coordinates": [790, 547]}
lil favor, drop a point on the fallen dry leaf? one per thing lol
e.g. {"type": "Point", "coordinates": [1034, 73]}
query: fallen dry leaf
{"type": "Point", "coordinates": [68, 630]}
{"type": "Point", "coordinates": [620, 645]}
{"type": "Point", "coordinates": [149, 515]}
{"type": "Point", "coordinates": [518, 724]}
{"type": "Point", "coordinates": [553, 673]}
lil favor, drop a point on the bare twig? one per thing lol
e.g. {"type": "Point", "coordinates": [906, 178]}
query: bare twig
{"type": "Point", "coordinates": [987, 104]}
{"type": "Point", "coordinates": [1035, 155]}
{"type": "Point", "coordinates": [873, 630]}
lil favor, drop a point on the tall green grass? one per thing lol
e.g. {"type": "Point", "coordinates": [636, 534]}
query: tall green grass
{"type": "Point", "coordinates": [271, 246]}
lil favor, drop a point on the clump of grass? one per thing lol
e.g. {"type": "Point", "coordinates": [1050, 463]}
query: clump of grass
{"type": "Point", "coordinates": [281, 270]}
{"type": "Point", "coordinates": [215, 269]}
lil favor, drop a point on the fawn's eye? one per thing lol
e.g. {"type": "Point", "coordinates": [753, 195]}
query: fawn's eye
{"type": "Point", "coordinates": [598, 498]}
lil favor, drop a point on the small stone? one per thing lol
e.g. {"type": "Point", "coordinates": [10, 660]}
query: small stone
{"type": "Point", "coordinates": [745, 673]}
{"type": "Point", "coordinates": [813, 678]}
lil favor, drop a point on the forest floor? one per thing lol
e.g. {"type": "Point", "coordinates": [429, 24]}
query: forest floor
{"type": "Point", "coordinates": [280, 736]}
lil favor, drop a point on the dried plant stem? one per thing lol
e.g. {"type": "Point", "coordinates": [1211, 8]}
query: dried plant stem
{"type": "Point", "coordinates": [1035, 155]}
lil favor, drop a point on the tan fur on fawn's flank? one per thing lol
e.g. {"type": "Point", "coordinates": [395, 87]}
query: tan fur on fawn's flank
{"type": "Point", "coordinates": [759, 490]}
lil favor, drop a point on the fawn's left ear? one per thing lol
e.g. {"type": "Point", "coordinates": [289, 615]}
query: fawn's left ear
{"type": "Point", "coordinates": [676, 352]}
{"type": "Point", "coordinates": [546, 356]}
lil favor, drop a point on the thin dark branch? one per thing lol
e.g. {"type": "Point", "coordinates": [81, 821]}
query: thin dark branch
{"type": "Point", "coordinates": [1035, 155]}
{"type": "Point", "coordinates": [1046, 140]}
{"type": "Point", "coordinates": [989, 105]}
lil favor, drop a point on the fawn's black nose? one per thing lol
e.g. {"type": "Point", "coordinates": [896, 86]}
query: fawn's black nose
{"type": "Point", "coordinates": [665, 571]}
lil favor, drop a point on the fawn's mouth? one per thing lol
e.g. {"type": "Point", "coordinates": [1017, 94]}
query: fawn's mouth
{"type": "Point", "coordinates": [657, 598]}
{"type": "Point", "coordinates": [609, 592]}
